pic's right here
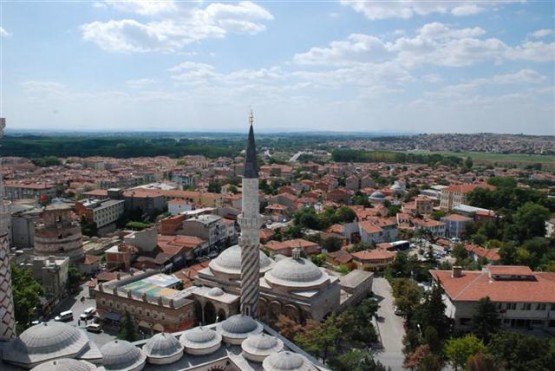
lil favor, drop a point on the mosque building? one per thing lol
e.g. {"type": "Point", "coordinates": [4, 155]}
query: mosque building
{"type": "Point", "coordinates": [239, 343]}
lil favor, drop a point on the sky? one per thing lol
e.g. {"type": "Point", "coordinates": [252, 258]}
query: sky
{"type": "Point", "coordinates": [362, 66]}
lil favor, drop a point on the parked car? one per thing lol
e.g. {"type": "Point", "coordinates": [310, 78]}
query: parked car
{"type": "Point", "coordinates": [94, 327]}
{"type": "Point", "coordinates": [64, 316]}
{"type": "Point", "coordinates": [88, 313]}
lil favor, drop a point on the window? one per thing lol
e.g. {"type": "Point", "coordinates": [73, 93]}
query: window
{"type": "Point", "coordinates": [511, 306]}
{"type": "Point", "coordinates": [526, 306]}
{"type": "Point", "coordinates": [541, 306]}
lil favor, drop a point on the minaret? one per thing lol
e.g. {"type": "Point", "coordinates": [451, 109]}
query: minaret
{"type": "Point", "coordinates": [7, 314]}
{"type": "Point", "coordinates": [249, 220]}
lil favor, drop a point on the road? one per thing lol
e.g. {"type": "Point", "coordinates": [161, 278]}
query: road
{"type": "Point", "coordinates": [77, 306]}
{"type": "Point", "coordinates": [390, 327]}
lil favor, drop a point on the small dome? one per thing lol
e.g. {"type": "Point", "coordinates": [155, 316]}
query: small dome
{"type": "Point", "coordinates": [163, 347]}
{"type": "Point", "coordinates": [236, 328]}
{"type": "Point", "coordinates": [122, 355]}
{"type": "Point", "coordinates": [44, 342]}
{"type": "Point", "coordinates": [257, 347]}
{"type": "Point", "coordinates": [65, 364]}
{"type": "Point", "coordinates": [215, 291]}
{"type": "Point", "coordinates": [286, 361]}
{"type": "Point", "coordinates": [200, 340]}
{"type": "Point", "coordinates": [296, 273]}
{"type": "Point", "coordinates": [377, 195]}
{"type": "Point", "coordinates": [229, 261]}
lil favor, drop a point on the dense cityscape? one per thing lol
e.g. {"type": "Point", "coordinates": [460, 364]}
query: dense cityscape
{"type": "Point", "coordinates": [362, 265]}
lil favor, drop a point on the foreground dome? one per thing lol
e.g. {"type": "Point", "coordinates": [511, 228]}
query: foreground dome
{"type": "Point", "coordinates": [237, 328]}
{"type": "Point", "coordinates": [257, 347]}
{"type": "Point", "coordinates": [215, 291]}
{"type": "Point", "coordinates": [199, 341]}
{"type": "Point", "coordinates": [229, 261]}
{"type": "Point", "coordinates": [44, 342]}
{"type": "Point", "coordinates": [293, 272]}
{"type": "Point", "coordinates": [287, 361]}
{"type": "Point", "coordinates": [122, 355]}
{"type": "Point", "coordinates": [65, 364]}
{"type": "Point", "coordinates": [163, 349]}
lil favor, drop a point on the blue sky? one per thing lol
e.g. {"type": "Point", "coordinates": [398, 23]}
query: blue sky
{"type": "Point", "coordinates": [402, 66]}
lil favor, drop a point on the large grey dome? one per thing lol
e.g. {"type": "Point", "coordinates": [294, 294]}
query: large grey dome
{"type": "Point", "coordinates": [257, 347]}
{"type": "Point", "coordinates": [200, 340]}
{"type": "Point", "coordinates": [122, 355]}
{"type": "Point", "coordinates": [44, 342]}
{"type": "Point", "coordinates": [286, 361]}
{"type": "Point", "coordinates": [229, 261]}
{"type": "Point", "coordinates": [65, 364]}
{"type": "Point", "coordinates": [377, 195]}
{"type": "Point", "coordinates": [163, 347]}
{"type": "Point", "coordinates": [236, 328]}
{"type": "Point", "coordinates": [296, 273]}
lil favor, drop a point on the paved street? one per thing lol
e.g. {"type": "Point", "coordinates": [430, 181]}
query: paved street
{"type": "Point", "coordinates": [390, 327]}
{"type": "Point", "coordinates": [74, 304]}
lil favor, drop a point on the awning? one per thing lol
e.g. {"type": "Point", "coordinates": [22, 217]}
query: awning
{"type": "Point", "coordinates": [113, 316]}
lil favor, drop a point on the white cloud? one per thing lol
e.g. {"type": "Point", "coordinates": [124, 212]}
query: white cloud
{"type": "Point", "coordinates": [405, 9]}
{"type": "Point", "coordinates": [544, 32]}
{"type": "Point", "coordinates": [535, 51]}
{"type": "Point", "coordinates": [48, 88]}
{"type": "Point", "coordinates": [465, 10]}
{"type": "Point", "coordinates": [357, 48]}
{"type": "Point", "coordinates": [4, 33]}
{"type": "Point", "coordinates": [143, 7]}
{"type": "Point", "coordinates": [182, 28]}
{"type": "Point", "coordinates": [433, 44]}
{"type": "Point", "coordinates": [140, 83]}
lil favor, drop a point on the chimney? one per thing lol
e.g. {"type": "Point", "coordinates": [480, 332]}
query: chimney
{"type": "Point", "coordinates": [100, 287]}
{"type": "Point", "coordinates": [457, 271]}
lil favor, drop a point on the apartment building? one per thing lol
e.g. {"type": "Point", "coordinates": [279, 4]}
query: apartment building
{"type": "Point", "coordinates": [102, 212]}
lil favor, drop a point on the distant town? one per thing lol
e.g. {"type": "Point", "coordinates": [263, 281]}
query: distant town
{"type": "Point", "coordinates": [377, 253]}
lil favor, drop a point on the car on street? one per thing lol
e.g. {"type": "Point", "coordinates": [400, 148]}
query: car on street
{"type": "Point", "coordinates": [88, 313]}
{"type": "Point", "coordinates": [64, 316]}
{"type": "Point", "coordinates": [94, 327]}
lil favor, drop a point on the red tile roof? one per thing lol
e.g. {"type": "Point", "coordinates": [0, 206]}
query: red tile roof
{"type": "Point", "coordinates": [474, 285]}
{"type": "Point", "coordinates": [512, 270]}
{"type": "Point", "coordinates": [376, 254]}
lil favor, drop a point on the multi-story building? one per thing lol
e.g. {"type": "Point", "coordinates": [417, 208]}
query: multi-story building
{"type": "Point", "coordinates": [51, 272]}
{"type": "Point", "coordinates": [16, 190]}
{"type": "Point", "coordinates": [211, 228]}
{"type": "Point", "coordinates": [373, 260]}
{"type": "Point", "coordinates": [423, 205]}
{"type": "Point", "coordinates": [454, 224]}
{"type": "Point", "coordinates": [434, 227]}
{"type": "Point", "coordinates": [151, 298]}
{"type": "Point", "coordinates": [524, 299]}
{"type": "Point", "coordinates": [104, 213]}
{"type": "Point", "coordinates": [58, 233]}
{"type": "Point", "coordinates": [23, 227]}
{"type": "Point", "coordinates": [456, 194]}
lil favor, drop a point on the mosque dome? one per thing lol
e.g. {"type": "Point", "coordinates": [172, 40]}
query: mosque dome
{"type": "Point", "coordinates": [199, 341]}
{"type": "Point", "coordinates": [229, 261]}
{"type": "Point", "coordinates": [215, 291]}
{"type": "Point", "coordinates": [65, 364]}
{"type": "Point", "coordinates": [237, 328]}
{"type": "Point", "coordinates": [377, 195]}
{"type": "Point", "coordinates": [257, 347]}
{"type": "Point", "coordinates": [298, 272]}
{"type": "Point", "coordinates": [44, 342]}
{"type": "Point", "coordinates": [162, 349]}
{"type": "Point", "coordinates": [122, 355]}
{"type": "Point", "coordinates": [286, 361]}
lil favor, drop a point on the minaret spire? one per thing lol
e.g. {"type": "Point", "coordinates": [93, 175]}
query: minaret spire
{"type": "Point", "coordinates": [7, 314]}
{"type": "Point", "coordinates": [249, 220]}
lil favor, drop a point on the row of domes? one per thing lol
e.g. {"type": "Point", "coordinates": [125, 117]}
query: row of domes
{"type": "Point", "coordinates": [53, 345]}
{"type": "Point", "coordinates": [288, 272]}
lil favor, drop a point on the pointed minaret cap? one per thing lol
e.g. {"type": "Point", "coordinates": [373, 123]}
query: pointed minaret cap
{"type": "Point", "coordinates": [250, 162]}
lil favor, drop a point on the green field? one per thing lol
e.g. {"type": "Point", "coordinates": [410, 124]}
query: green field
{"type": "Point", "coordinates": [518, 159]}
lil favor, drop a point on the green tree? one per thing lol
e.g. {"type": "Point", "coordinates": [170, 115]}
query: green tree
{"type": "Point", "coordinates": [432, 313]}
{"type": "Point", "coordinates": [485, 321]}
{"type": "Point", "coordinates": [407, 295]}
{"type": "Point", "coordinates": [128, 328]}
{"type": "Point", "coordinates": [345, 214]}
{"type": "Point", "coordinates": [322, 339]}
{"type": "Point", "coordinates": [516, 351]}
{"type": "Point", "coordinates": [458, 350]}
{"type": "Point", "coordinates": [357, 360]}
{"type": "Point", "coordinates": [26, 294]}
{"type": "Point", "coordinates": [214, 186]}
{"type": "Point", "coordinates": [73, 279]}
{"type": "Point", "coordinates": [331, 244]}
{"type": "Point", "coordinates": [530, 221]}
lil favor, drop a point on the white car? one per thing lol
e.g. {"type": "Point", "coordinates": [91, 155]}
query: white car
{"type": "Point", "coordinates": [88, 313]}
